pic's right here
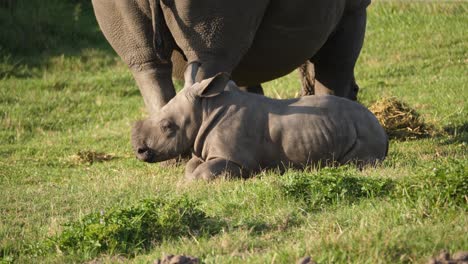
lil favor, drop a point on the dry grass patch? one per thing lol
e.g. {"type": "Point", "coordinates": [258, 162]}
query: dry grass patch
{"type": "Point", "coordinates": [399, 120]}
{"type": "Point", "coordinates": [90, 157]}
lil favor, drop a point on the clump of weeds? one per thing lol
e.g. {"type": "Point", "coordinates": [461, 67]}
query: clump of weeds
{"type": "Point", "coordinates": [133, 229]}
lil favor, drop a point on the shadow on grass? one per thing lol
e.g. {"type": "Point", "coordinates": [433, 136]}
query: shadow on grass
{"type": "Point", "coordinates": [34, 31]}
{"type": "Point", "coordinates": [458, 134]}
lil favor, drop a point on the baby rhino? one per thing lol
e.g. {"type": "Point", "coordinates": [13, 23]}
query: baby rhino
{"type": "Point", "coordinates": [237, 133]}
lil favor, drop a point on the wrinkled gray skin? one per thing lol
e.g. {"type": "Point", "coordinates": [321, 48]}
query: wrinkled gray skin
{"type": "Point", "coordinates": [255, 41]}
{"type": "Point", "coordinates": [236, 133]}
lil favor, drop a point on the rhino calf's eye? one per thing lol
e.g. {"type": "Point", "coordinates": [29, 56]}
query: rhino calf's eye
{"type": "Point", "coordinates": [168, 127]}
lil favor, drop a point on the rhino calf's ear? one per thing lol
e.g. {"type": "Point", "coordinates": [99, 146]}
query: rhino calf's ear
{"type": "Point", "coordinates": [213, 86]}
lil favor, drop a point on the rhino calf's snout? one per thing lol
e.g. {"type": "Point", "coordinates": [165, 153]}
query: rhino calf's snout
{"type": "Point", "coordinates": [145, 154]}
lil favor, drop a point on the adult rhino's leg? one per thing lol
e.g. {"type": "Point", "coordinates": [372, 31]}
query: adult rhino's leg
{"type": "Point", "coordinates": [206, 72]}
{"type": "Point", "coordinates": [193, 69]}
{"type": "Point", "coordinates": [129, 26]}
{"type": "Point", "coordinates": [197, 72]}
{"type": "Point", "coordinates": [307, 75]}
{"type": "Point", "coordinates": [334, 63]}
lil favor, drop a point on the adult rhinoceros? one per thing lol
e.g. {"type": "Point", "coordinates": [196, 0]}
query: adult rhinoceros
{"type": "Point", "coordinates": [255, 40]}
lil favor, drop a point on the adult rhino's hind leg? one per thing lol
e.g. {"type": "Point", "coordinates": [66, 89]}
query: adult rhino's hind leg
{"type": "Point", "coordinates": [307, 75]}
{"type": "Point", "coordinates": [334, 62]}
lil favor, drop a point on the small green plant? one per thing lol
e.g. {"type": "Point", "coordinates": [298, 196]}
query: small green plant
{"type": "Point", "coordinates": [332, 186]}
{"type": "Point", "coordinates": [134, 229]}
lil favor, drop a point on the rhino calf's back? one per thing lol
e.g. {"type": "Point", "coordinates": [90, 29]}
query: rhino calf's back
{"type": "Point", "coordinates": [323, 129]}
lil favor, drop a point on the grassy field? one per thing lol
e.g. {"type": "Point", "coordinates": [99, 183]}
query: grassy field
{"type": "Point", "coordinates": [72, 191]}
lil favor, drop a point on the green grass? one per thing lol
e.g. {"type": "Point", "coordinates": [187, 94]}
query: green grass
{"type": "Point", "coordinates": [131, 230]}
{"type": "Point", "coordinates": [64, 92]}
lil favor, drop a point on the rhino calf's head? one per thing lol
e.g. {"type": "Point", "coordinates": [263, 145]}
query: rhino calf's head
{"type": "Point", "coordinates": [172, 131]}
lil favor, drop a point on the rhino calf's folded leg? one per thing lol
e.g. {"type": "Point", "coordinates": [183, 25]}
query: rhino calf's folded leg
{"type": "Point", "coordinates": [213, 169]}
{"type": "Point", "coordinates": [191, 166]}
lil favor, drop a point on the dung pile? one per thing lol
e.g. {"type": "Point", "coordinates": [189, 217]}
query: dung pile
{"type": "Point", "coordinates": [90, 157]}
{"type": "Point", "coordinates": [399, 120]}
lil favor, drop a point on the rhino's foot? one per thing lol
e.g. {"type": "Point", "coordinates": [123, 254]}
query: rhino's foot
{"type": "Point", "coordinates": [212, 169]}
{"type": "Point", "coordinates": [191, 166]}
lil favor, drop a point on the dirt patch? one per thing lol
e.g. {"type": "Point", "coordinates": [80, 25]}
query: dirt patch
{"type": "Point", "coordinates": [444, 257]}
{"type": "Point", "coordinates": [399, 120]}
{"type": "Point", "coordinates": [90, 157]}
{"type": "Point", "coordinates": [177, 259]}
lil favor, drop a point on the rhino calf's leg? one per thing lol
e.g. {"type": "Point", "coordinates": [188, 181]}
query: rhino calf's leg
{"type": "Point", "coordinates": [334, 62]}
{"type": "Point", "coordinates": [213, 169]}
{"type": "Point", "coordinates": [191, 166]}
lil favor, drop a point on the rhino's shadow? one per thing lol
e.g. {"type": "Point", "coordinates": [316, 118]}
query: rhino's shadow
{"type": "Point", "coordinates": [33, 33]}
{"type": "Point", "coordinates": [458, 134]}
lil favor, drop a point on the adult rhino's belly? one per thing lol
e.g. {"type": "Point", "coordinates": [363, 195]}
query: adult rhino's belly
{"type": "Point", "coordinates": [276, 56]}
{"type": "Point", "coordinates": [283, 42]}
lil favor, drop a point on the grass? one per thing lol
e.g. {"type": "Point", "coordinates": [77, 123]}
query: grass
{"type": "Point", "coordinates": [67, 103]}
{"type": "Point", "coordinates": [132, 230]}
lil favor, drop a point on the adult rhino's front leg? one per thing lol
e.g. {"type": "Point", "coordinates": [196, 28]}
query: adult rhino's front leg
{"type": "Point", "coordinates": [211, 35]}
{"type": "Point", "coordinates": [192, 71]}
{"type": "Point", "coordinates": [129, 26]}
